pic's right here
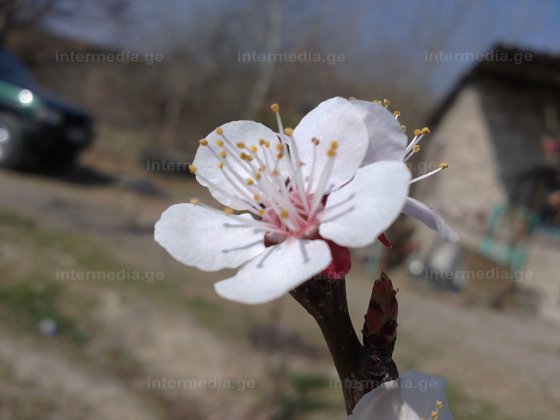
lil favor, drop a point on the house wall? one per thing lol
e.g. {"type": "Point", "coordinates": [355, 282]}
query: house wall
{"type": "Point", "coordinates": [466, 193]}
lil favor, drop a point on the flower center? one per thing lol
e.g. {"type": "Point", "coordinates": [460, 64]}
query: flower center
{"type": "Point", "coordinates": [267, 179]}
{"type": "Point", "coordinates": [305, 227]}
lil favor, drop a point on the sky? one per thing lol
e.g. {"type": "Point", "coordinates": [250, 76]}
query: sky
{"type": "Point", "coordinates": [391, 38]}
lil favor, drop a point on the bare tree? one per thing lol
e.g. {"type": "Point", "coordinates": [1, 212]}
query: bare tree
{"type": "Point", "coordinates": [20, 14]}
{"type": "Point", "coordinates": [266, 71]}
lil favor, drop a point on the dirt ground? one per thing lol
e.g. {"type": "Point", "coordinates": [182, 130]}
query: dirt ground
{"type": "Point", "coordinates": [500, 365]}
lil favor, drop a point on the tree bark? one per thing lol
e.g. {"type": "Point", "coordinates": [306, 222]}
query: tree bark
{"type": "Point", "coordinates": [360, 368]}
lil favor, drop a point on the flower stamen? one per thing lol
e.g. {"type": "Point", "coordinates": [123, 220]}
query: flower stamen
{"type": "Point", "coordinates": [418, 135]}
{"type": "Point", "coordinates": [440, 168]}
{"type": "Point", "coordinates": [414, 150]}
{"type": "Point", "coordinates": [296, 164]}
{"type": "Point", "coordinates": [321, 189]}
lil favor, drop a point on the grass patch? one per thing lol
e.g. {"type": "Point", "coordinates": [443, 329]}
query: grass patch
{"type": "Point", "coordinates": [306, 393]}
{"type": "Point", "coordinates": [36, 246]}
{"type": "Point", "coordinates": [27, 303]}
{"type": "Point", "coordinates": [15, 220]}
{"type": "Point", "coordinates": [464, 408]}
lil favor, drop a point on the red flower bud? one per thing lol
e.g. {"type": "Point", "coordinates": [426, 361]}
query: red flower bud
{"type": "Point", "coordinates": [380, 326]}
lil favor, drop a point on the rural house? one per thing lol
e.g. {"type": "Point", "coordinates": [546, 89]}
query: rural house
{"type": "Point", "coordinates": [499, 131]}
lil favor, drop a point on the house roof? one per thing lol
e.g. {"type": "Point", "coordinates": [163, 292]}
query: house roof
{"type": "Point", "coordinates": [523, 67]}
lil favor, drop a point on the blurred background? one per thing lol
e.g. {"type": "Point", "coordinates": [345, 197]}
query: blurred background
{"type": "Point", "coordinates": [101, 108]}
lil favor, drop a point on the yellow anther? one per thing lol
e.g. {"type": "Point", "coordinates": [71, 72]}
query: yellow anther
{"type": "Point", "coordinates": [315, 141]}
{"type": "Point", "coordinates": [275, 107]}
{"type": "Point", "coordinates": [289, 131]}
{"type": "Point", "coordinates": [351, 98]}
{"type": "Point", "coordinates": [267, 144]}
{"type": "Point", "coordinates": [254, 149]}
{"type": "Point", "coordinates": [227, 210]}
{"type": "Point", "coordinates": [334, 145]}
{"type": "Point", "coordinates": [192, 168]}
{"type": "Point", "coordinates": [301, 164]}
{"type": "Point", "coordinates": [425, 130]}
{"type": "Point", "coordinates": [257, 197]}
{"type": "Point", "coordinates": [280, 147]}
{"type": "Point", "coordinates": [257, 176]}
{"type": "Point", "coordinates": [434, 415]}
{"type": "Point", "coordinates": [284, 214]}
{"type": "Point", "coordinates": [275, 172]}
{"type": "Point", "coordinates": [219, 143]}
{"type": "Point", "coordinates": [194, 201]}
{"type": "Point", "coordinates": [377, 101]}
{"type": "Point", "coordinates": [223, 154]}
{"type": "Point", "coordinates": [220, 130]}
{"type": "Point", "coordinates": [331, 153]}
{"type": "Point", "coordinates": [241, 145]}
{"type": "Point", "coordinates": [203, 142]}
{"type": "Point", "coordinates": [280, 155]}
{"type": "Point", "coordinates": [416, 148]}
{"type": "Point", "coordinates": [262, 212]}
{"type": "Point", "coordinates": [250, 181]}
{"type": "Point", "coordinates": [221, 165]}
{"type": "Point", "coordinates": [397, 113]}
{"type": "Point", "coordinates": [443, 165]}
{"type": "Point", "coordinates": [439, 404]}
{"type": "Point", "coordinates": [403, 128]}
{"type": "Point", "coordinates": [417, 131]}
{"type": "Point", "coordinates": [386, 103]}
{"type": "Point", "coordinates": [261, 142]}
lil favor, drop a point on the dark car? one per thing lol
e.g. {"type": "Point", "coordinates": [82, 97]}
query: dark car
{"type": "Point", "coordinates": [36, 127]}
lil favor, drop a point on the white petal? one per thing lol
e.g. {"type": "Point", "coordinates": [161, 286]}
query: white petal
{"type": "Point", "coordinates": [358, 212]}
{"type": "Point", "coordinates": [332, 120]}
{"type": "Point", "coordinates": [386, 138]}
{"type": "Point", "coordinates": [248, 132]}
{"type": "Point", "coordinates": [198, 237]}
{"type": "Point", "coordinates": [430, 218]}
{"type": "Point", "coordinates": [277, 271]}
{"type": "Point", "coordinates": [412, 397]}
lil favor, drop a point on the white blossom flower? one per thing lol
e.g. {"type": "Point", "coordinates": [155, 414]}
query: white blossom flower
{"type": "Point", "coordinates": [388, 142]}
{"type": "Point", "coordinates": [306, 195]}
{"type": "Point", "coordinates": [414, 396]}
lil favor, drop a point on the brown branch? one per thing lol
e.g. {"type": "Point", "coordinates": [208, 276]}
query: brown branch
{"type": "Point", "coordinates": [360, 368]}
